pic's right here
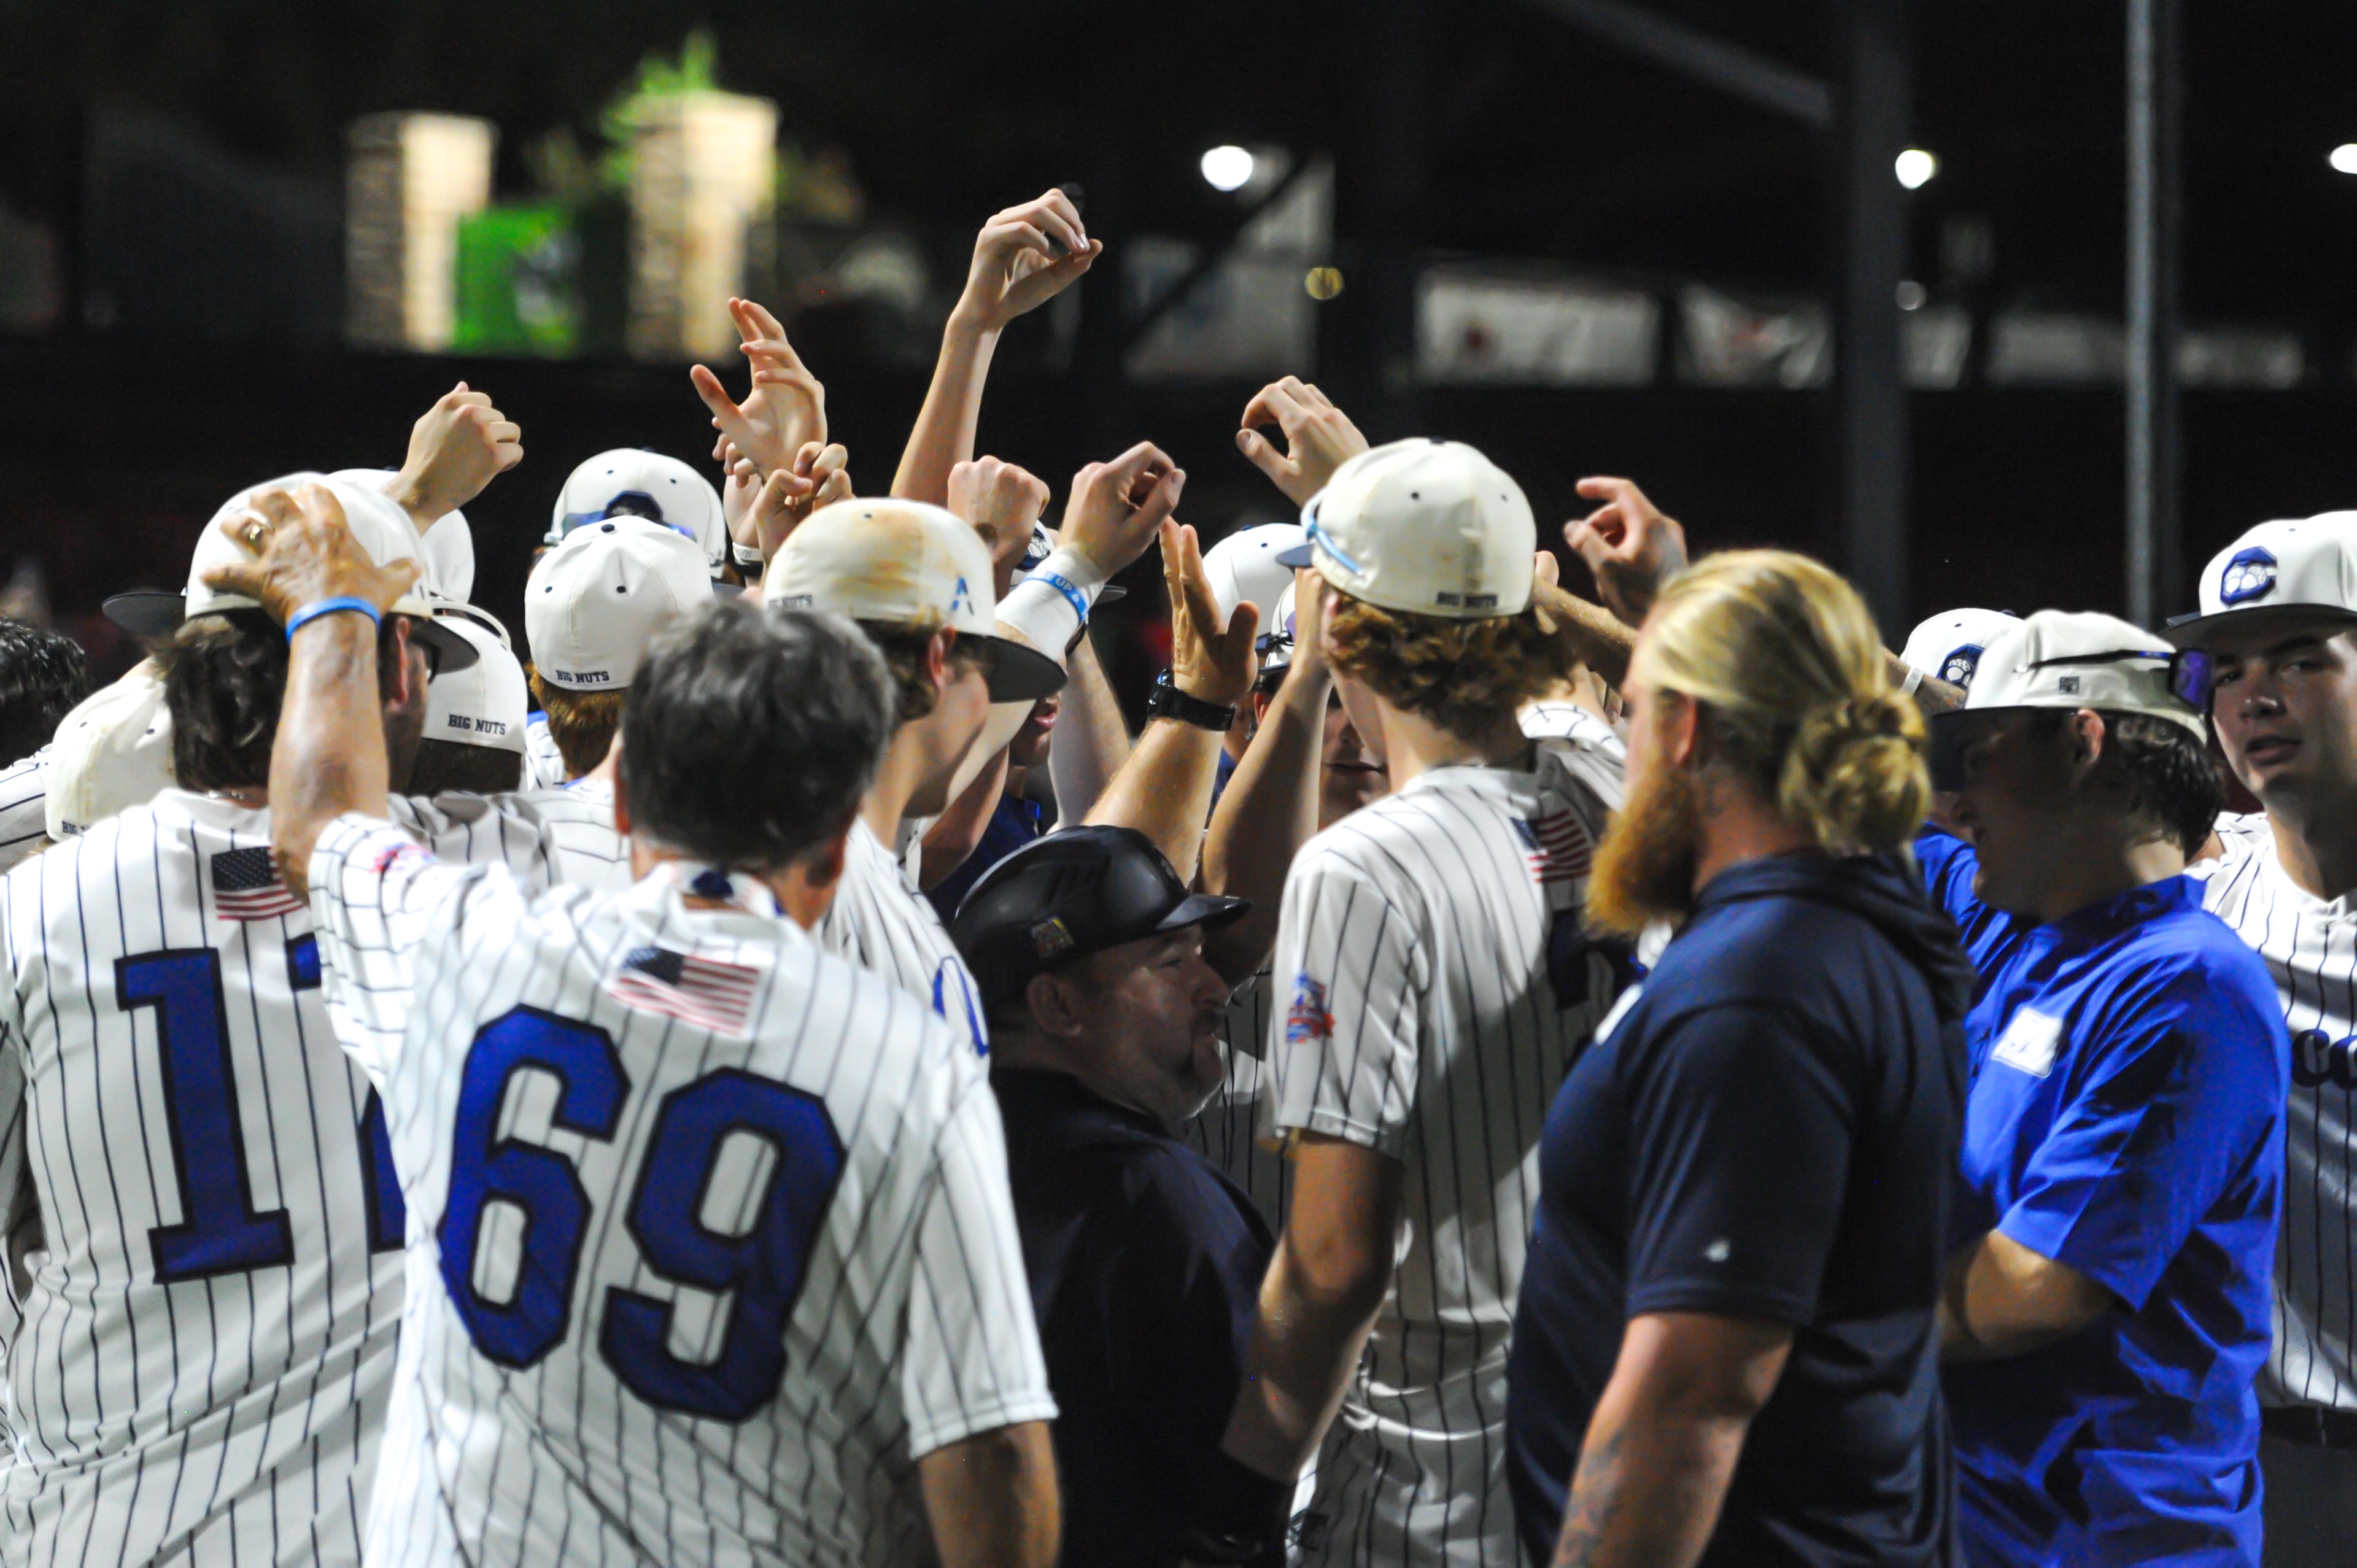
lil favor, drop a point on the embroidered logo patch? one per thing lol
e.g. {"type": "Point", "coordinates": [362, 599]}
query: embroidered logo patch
{"type": "Point", "coordinates": [1959, 667]}
{"type": "Point", "coordinates": [1049, 939]}
{"type": "Point", "coordinates": [1307, 1019]}
{"type": "Point", "coordinates": [2250, 574]}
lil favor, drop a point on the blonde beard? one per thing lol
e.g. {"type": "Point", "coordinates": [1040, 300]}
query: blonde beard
{"type": "Point", "coordinates": [1644, 868]}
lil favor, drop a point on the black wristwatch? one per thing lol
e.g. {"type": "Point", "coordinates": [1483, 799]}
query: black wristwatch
{"type": "Point", "coordinates": [1168, 702]}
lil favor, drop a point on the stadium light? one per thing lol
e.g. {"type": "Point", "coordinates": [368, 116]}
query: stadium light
{"type": "Point", "coordinates": [2343, 157]}
{"type": "Point", "coordinates": [1227, 168]}
{"type": "Point", "coordinates": [1915, 168]}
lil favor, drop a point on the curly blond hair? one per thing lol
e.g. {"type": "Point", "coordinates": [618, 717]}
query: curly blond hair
{"type": "Point", "coordinates": [1464, 675]}
{"type": "Point", "coordinates": [582, 724]}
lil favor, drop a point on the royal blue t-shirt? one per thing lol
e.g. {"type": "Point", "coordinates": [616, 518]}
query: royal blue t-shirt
{"type": "Point", "coordinates": [1766, 1129]}
{"type": "Point", "coordinates": [2129, 1067]}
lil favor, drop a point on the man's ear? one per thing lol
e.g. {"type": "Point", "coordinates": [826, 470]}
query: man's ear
{"type": "Point", "coordinates": [1677, 719]}
{"type": "Point", "coordinates": [404, 686]}
{"type": "Point", "coordinates": [621, 800]}
{"type": "Point", "coordinates": [1051, 1006]}
{"type": "Point", "coordinates": [2084, 736]}
{"type": "Point", "coordinates": [937, 659]}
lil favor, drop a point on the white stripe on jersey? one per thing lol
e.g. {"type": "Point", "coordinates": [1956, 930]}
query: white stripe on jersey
{"type": "Point", "coordinates": [544, 764]}
{"type": "Point", "coordinates": [23, 796]}
{"type": "Point", "coordinates": [1226, 1132]}
{"type": "Point", "coordinates": [1435, 981]}
{"type": "Point", "coordinates": [566, 836]}
{"type": "Point", "coordinates": [224, 1403]}
{"type": "Point", "coordinates": [2310, 947]}
{"type": "Point", "coordinates": [675, 1295]}
{"type": "Point", "coordinates": [880, 922]}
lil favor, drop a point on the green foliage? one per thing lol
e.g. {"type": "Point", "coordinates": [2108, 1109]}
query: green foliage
{"type": "Point", "coordinates": [696, 70]}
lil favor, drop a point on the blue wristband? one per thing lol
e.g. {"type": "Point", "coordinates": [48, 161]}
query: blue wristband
{"type": "Point", "coordinates": [312, 612]}
{"type": "Point", "coordinates": [1070, 590]}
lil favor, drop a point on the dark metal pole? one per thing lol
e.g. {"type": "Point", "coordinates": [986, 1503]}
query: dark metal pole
{"type": "Point", "coordinates": [1873, 106]}
{"type": "Point", "coordinates": [2155, 568]}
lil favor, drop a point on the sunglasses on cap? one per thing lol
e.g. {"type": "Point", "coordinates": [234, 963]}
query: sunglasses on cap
{"type": "Point", "coordinates": [2193, 674]}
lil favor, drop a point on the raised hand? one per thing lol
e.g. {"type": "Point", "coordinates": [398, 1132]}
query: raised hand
{"type": "Point", "coordinates": [1211, 654]}
{"type": "Point", "coordinates": [1002, 501]}
{"type": "Point", "coordinates": [1318, 437]}
{"type": "Point", "coordinates": [1628, 544]}
{"type": "Point", "coordinates": [786, 410]}
{"type": "Point", "coordinates": [455, 448]}
{"type": "Point", "coordinates": [1024, 257]}
{"type": "Point", "coordinates": [1114, 509]}
{"type": "Point", "coordinates": [816, 477]}
{"type": "Point", "coordinates": [300, 550]}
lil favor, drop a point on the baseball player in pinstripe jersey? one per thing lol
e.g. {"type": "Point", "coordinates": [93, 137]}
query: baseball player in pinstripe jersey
{"type": "Point", "coordinates": [918, 580]}
{"type": "Point", "coordinates": [202, 1363]}
{"type": "Point", "coordinates": [1437, 978]}
{"type": "Point", "coordinates": [712, 1257]}
{"type": "Point", "coordinates": [2278, 615]}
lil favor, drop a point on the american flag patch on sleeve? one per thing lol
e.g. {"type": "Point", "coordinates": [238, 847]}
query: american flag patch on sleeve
{"type": "Point", "coordinates": [1556, 845]}
{"type": "Point", "coordinates": [699, 991]}
{"type": "Point", "coordinates": [246, 886]}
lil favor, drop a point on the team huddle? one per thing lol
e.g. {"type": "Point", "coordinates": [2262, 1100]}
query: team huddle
{"type": "Point", "coordinates": [774, 1071]}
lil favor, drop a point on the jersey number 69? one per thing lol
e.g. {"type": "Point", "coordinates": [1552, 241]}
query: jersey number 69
{"type": "Point", "coordinates": [762, 1267]}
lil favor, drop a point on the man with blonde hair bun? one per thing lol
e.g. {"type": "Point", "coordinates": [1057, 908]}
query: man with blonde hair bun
{"type": "Point", "coordinates": [1726, 1349]}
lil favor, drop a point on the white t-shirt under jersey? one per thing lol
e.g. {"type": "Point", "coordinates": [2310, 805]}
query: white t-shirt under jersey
{"type": "Point", "coordinates": [880, 922]}
{"type": "Point", "coordinates": [1434, 981]}
{"type": "Point", "coordinates": [710, 1235]}
{"type": "Point", "coordinates": [2310, 947]}
{"type": "Point", "coordinates": [203, 1358]}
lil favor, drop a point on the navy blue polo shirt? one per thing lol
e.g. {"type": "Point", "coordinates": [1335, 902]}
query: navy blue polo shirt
{"type": "Point", "coordinates": [1146, 1266]}
{"type": "Point", "coordinates": [2129, 1069]}
{"type": "Point", "coordinates": [1014, 821]}
{"type": "Point", "coordinates": [1765, 1129]}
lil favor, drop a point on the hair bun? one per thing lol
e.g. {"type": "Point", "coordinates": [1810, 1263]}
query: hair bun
{"type": "Point", "coordinates": [1855, 772]}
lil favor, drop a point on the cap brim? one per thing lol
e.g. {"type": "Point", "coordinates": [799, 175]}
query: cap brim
{"type": "Point", "coordinates": [1298, 557]}
{"type": "Point", "coordinates": [2187, 631]}
{"type": "Point", "coordinates": [1020, 674]}
{"type": "Point", "coordinates": [453, 652]}
{"type": "Point", "coordinates": [1208, 910]}
{"type": "Point", "coordinates": [147, 612]}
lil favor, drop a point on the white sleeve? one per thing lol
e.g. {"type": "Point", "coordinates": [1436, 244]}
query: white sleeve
{"type": "Point", "coordinates": [376, 898]}
{"type": "Point", "coordinates": [24, 798]}
{"type": "Point", "coordinates": [973, 1361]}
{"type": "Point", "coordinates": [1343, 1054]}
{"type": "Point", "coordinates": [15, 1211]}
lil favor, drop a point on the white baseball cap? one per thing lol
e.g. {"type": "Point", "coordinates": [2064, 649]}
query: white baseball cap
{"type": "Point", "coordinates": [1278, 632]}
{"type": "Point", "coordinates": [2304, 563]}
{"type": "Point", "coordinates": [2060, 660]}
{"type": "Point", "coordinates": [592, 604]}
{"type": "Point", "coordinates": [906, 562]}
{"type": "Point", "coordinates": [484, 703]}
{"type": "Point", "coordinates": [383, 530]}
{"type": "Point", "coordinates": [631, 481]}
{"type": "Point", "coordinates": [113, 752]}
{"type": "Point", "coordinates": [1243, 567]}
{"type": "Point", "coordinates": [449, 554]}
{"type": "Point", "coordinates": [1949, 646]}
{"type": "Point", "coordinates": [1422, 526]}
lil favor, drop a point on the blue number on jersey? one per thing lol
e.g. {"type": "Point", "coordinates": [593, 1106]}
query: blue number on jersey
{"type": "Point", "coordinates": [219, 1232]}
{"type": "Point", "coordinates": [388, 1215]}
{"type": "Point", "coordinates": [485, 1167]}
{"type": "Point", "coordinates": [762, 1267]}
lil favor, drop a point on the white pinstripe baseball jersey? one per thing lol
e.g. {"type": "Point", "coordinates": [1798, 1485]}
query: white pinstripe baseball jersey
{"type": "Point", "coordinates": [1438, 977]}
{"type": "Point", "coordinates": [1556, 720]}
{"type": "Point", "coordinates": [24, 792]}
{"type": "Point", "coordinates": [566, 835]}
{"type": "Point", "coordinates": [2310, 947]}
{"type": "Point", "coordinates": [880, 922]}
{"type": "Point", "coordinates": [1226, 1132]}
{"type": "Point", "coordinates": [543, 764]}
{"type": "Point", "coordinates": [710, 1234]}
{"type": "Point", "coordinates": [201, 1367]}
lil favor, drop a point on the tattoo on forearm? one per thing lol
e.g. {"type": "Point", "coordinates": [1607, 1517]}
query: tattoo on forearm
{"type": "Point", "coordinates": [1594, 1503]}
